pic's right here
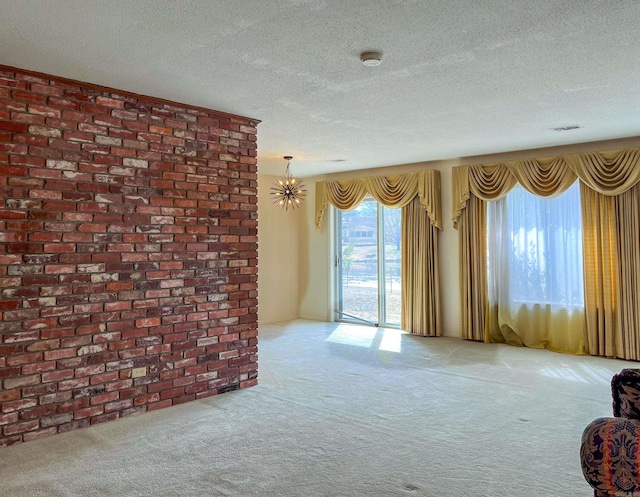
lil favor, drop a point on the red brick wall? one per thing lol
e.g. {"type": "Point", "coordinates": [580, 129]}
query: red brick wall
{"type": "Point", "coordinates": [127, 240]}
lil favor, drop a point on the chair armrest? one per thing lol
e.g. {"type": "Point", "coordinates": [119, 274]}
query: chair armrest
{"type": "Point", "coordinates": [610, 456]}
{"type": "Point", "coordinates": [625, 391]}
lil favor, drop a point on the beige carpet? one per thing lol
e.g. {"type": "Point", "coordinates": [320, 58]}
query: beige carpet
{"type": "Point", "coordinates": [344, 410]}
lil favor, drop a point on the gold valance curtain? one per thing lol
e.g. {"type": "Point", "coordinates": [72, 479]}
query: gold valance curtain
{"type": "Point", "coordinates": [418, 194]}
{"type": "Point", "coordinates": [611, 234]}
{"type": "Point", "coordinates": [391, 191]}
{"type": "Point", "coordinates": [608, 173]}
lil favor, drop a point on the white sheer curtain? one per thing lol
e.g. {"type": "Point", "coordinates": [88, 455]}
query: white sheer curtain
{"type": "Point", "coordinates": [534, 270]}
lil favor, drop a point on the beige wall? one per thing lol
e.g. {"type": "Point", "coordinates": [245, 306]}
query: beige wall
{"type": "Point", "coordinates": [315, 278]}
{"type": "Point", "coordinates": [295, 262]}
{"type": "Point", "coordinates": [278, 256]}
{"type": "Point", "coordinates": [316, 248]}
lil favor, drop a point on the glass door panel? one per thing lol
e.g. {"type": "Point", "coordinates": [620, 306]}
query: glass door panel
{"type": "Point", "coordinates": [358, 263]}
{"type": "Point", "coordinates": [368, 264]}
{"type": "Point", "coordinates": [392, 224]}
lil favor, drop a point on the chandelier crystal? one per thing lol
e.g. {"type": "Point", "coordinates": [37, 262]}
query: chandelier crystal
{"type": "Point", "coordinates": [288, 191]}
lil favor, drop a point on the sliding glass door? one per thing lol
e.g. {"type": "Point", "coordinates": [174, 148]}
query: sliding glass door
{"type": "Point", "coordinates": [368, 264]}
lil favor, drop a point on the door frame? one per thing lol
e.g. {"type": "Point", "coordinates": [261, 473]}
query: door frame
{"type": "Point", "coordinates": [336, 300]}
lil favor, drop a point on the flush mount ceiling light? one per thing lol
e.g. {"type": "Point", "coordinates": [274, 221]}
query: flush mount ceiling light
{"type": "Point", "coordinates": [288, 192]}
{"type": "Point", "coordinates": [371, 59]}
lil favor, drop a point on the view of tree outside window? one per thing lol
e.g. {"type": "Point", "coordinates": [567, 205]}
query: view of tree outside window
{"type": "Point", "coordinates": [369, 269]}
{"type": "Point", "coordinates": [539, 242]}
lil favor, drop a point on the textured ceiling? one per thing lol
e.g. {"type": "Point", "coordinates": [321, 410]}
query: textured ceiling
{"type": "Point", "coordinates": [458, 78]}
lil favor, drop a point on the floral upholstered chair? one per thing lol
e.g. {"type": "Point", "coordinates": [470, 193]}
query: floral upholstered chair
{"type": "Point", "coordinates": [610, 450]}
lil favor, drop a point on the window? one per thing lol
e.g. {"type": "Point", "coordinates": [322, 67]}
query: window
{"type": "Point", "coordinates": [535, 249]}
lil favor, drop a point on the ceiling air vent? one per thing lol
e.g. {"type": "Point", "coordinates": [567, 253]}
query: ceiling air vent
{"type": "Point", "coordinates": [565, 128]}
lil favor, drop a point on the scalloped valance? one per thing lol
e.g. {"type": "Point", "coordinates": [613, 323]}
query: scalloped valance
{"type": "Point", "coordinates": [609, 173]}
{"type": "Point", "coordinates": [391, 191]}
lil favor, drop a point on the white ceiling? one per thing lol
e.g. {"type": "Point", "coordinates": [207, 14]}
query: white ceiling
{"type": "Point", "coordinates": [459, 77]}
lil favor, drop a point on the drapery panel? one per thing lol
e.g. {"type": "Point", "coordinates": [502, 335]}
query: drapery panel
{"type": "Point", "coordinates": [535, 271]}
{"type": "Point", "coordinates": [628, 223]}
{"type": "Point", "coordinates": [418, 194]}
{"type": "Point", "coordinates": [612, 272]}
{"type": "Point", "coordinates": [601, 292]}
{"type": "Point", "coordinates": [420, 291]}
{"type": "Point", "coordinates": [472, 242]}
{"type": "Point", "coordinates": [611, 233]}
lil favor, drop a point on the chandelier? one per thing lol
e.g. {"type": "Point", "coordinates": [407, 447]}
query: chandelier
{"type": "Point", "coordinates": [288, 191]}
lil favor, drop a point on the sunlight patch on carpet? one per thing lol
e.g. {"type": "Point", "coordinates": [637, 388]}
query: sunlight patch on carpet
{"type": "Point", "coordinates": [391, 341]}
{"type": "Point", "coordinates": [358, 336]}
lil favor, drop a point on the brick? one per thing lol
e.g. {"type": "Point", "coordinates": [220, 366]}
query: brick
{"type": "Point", "coordinates": [28, 96]}
{"type": "Point", "coordinates": [21, 381]}
{"type": "Point", "coordinates": [171, 393]}
{"type": "Point", "coordinates": [104, 398]}
{"type": "Point", "coordinates": [62, 165]}
{"type": "Point", "coordinates": [118, 406]}
{"type": "Point", "coordinates": [76, 383]}
{"type": "Point", "coordinates": [56, 420]}
{"type": "Point", "coordinates": [89, 370]}
{"type": "Point", "coordinates": [88, 412]}
{"type": "Point", "coordinates": [8, 418]}
{"type": "Point", "coordinates": [60, 354]}
{"type": "Point", "coordinates": [34, 324]}
{"type": "Point", "coordinates": [63, 104]}
{"type": "Point", "coordinates": [38, 367]}
{"type": "Point", "coordinates": [78, 136]}
{"type": "Point", "coordinates": [45, 131]}
{"type": "Point", "coordinates": [161, 130]}
{"type": "Point", "coordinates": [128, 162]}
{"type": "Point", "coordinates": [18, 405]}
{"type": "Point", "coordinates": [115, 208]}
{"type": "Point", "coordinates": [110, 102]}
{"type": "Point", "coordinates": [59, 247]}
{"type": "Point", "coordinates": [148, 322]}
{"type": "Point", "coordinates": [13, 127]}
{"type": "Point", "coordinates": [26, 336]}
{"type": "Point", "coordinates": [44, 110]}
{"type": "Point", "coordinates": [57, 375]}
{"type": "Point", "coordinates": [35, 435]}
{"type": "Point", "coordinates": [21, 427]}
{"type": "Point", "coordinates": [9, 395]}
{"type": "Point", "coordinates": [55, 398]}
